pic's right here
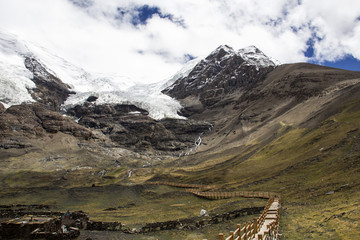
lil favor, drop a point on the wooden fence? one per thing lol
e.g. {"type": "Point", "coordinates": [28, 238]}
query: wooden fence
{"type": "Point", "coordinates": [197, 187]}
{"type": "Point", "coordinates": [272, 229]}
{"type": "Point", "coordinates": [203, 191]}
{"type": "Point", "coordinates": [245, 231]}
{"type": "Point", "coordinates": [222, 195]}
{"type": "Point", "coordinates": [249, 230]}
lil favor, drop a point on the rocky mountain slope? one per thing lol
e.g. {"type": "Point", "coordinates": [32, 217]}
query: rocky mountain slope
{"type": "Point", "coordinates": [125, 124]}
{"type": "Point", "coordinates": [243, 122]}
{"type": "Point", "coordinates": [223, 72]}
{"type": "Point", "coordinates": [135, 118]}
{"type": "Point", "coordinates": [298, 95]}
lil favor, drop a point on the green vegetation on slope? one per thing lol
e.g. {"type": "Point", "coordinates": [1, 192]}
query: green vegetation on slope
{"type": "Point", "coordinates": [316, 170]}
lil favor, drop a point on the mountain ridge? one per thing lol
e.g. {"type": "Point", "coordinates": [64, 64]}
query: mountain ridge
{"type": "Point", "coordinates": [223, 71]}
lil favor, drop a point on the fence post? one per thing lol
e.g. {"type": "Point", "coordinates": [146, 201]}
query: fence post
{"type": "Point", "coordinates": [239, 232]}
{"type": "Point", "coordinates": [245, 230]}
{"type": "Point", "coordinates": [231, 235]}
{"type": "Point", "coordinates": [221, 236]}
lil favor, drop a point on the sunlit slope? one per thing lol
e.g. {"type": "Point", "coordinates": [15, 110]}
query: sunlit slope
{"type": "Point", "coordinates": [316, 169]}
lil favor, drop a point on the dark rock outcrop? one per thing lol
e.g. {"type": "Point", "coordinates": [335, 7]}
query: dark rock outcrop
{"type": "Point", "coordinates": [27, 121]}
{"type": "Point", "coordinates": [50, 90]}
{"type": "Point", "coordinates": [130, 127]}
{"type": "Point", "coordinates": [224, 71]}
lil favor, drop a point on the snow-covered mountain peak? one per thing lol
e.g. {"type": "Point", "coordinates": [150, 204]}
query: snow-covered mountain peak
{"type": "Point", "coordinates": [223, 71]}
{"type": "Point", "coordinates": [221, 52]}
{"type": "Point", "coordinates": [250, 50]}
{"type": "Point", "coordinates": [251, 56]}
{"type": "Point", "coordinates": [225, 48]}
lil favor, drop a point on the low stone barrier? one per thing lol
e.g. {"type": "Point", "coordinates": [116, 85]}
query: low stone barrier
{"type": "Point", "coordinates": [199, 222]}
{"type": "Point", "coordinates": [103, 226]}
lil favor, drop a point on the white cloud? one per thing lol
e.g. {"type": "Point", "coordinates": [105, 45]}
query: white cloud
{"type": "Point", "coordinates": [97, 38]}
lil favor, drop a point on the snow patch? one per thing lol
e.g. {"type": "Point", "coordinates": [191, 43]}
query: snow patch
{"type": "Point", "coordinates": [253, 56]}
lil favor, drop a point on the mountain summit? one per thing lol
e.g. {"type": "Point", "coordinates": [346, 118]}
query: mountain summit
{"type": "Point", "coordinates": [222, 72]}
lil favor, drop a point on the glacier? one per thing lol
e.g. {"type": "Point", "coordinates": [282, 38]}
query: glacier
{"type": "Point", "coordinates": [15, 81]}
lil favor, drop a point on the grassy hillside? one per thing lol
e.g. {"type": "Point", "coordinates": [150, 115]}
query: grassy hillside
{"type": "Point", "coordinates": [317, 171]}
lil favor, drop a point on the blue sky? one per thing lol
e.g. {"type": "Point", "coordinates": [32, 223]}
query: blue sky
{"type": "Point", "coordinates": [150, 40]}
{"type": "Point", "coordinates": [348, 63]}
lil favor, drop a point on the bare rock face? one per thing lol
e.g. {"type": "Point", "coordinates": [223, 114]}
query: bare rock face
{"type": "Point", "coordinates": [49, 90]}
{"type": "Point", "coordinates": [130, 127]}
{"type": "Point", "coordinates": [224, 71]}
{"type": "Point", "coordinates": [26, 121]}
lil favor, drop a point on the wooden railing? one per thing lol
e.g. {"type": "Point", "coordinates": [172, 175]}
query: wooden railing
{"type": "Point", "coordinates": [197, 187]}
{"type": "Point", "coordinates": [272, 228]}
{"type": "Point", "coordinates": [248, 230]}
{"type": "Point", "coordinates": [245, 231]}
{"type": "Point", "coordinates": [203, 191]}
{"type": "Point", "coordinates": [222, 195]}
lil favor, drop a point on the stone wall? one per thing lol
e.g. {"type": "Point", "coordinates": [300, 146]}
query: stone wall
{"type": "Point", "coordinates": [199, 222]}
{"type": "Point", "coordinates": [103, 226]}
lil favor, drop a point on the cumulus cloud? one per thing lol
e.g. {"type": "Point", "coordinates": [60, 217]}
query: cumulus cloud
{"type": "Point", "coordinates": [149, 40]}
